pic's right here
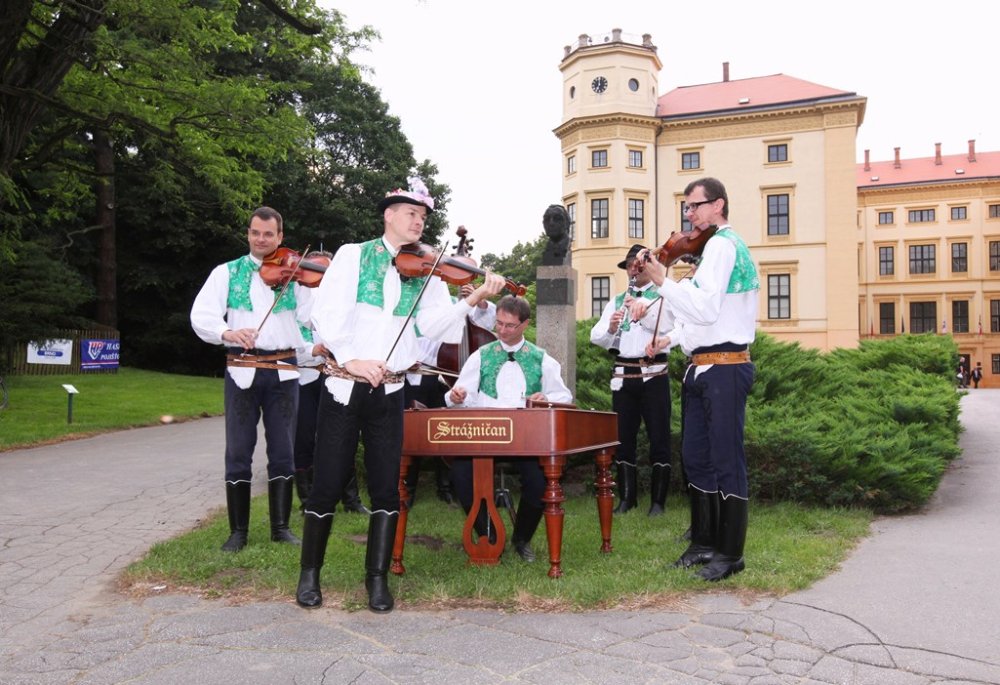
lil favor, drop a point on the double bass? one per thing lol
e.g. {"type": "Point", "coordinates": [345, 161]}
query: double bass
{"type": "Point", "coordinates": [452, 356]}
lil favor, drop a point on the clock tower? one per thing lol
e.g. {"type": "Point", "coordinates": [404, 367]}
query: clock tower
{"type": "Point", "coordinates": [608, 139]}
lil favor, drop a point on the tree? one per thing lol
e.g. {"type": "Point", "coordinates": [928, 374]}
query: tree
{"type": "Point", "coordinates": [521, 264]}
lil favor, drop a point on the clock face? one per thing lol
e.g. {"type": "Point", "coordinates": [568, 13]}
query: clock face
{"type": "Point", "coordinates": [599, 84]}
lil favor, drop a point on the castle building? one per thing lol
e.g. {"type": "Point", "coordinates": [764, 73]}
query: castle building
{"type": "Point", "coordinates": [845, 251]}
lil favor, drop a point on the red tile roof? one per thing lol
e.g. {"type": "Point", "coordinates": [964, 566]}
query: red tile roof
{"type": "Point", "coordinates": [924, 170]}
{"type": "Point", "coordinates": [761, 91]}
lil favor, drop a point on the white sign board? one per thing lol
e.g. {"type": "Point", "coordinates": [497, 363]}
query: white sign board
{"type": "Point", "coordinates": [53, 352]}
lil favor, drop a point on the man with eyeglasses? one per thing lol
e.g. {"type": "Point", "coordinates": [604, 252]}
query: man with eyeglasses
{"type": "Point", "coordinates": [718, 310]}
{"type": "Point", "coordinates": [506, 373]}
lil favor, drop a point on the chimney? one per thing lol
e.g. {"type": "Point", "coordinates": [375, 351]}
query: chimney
{"type": "Point", "coordinates": [725, 72]}
{"type": "Point", "coordinates": [868, 164]}
{"type": "Point", "coordinates": [972, 150]}
{"type": "Point", "coordinates": [937, 154]}
{"type": "Point", "coordinates": [896, 164]}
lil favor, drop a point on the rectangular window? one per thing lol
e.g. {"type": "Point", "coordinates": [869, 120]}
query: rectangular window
{"type": "Point", "coordinates": [960, 316]}
{"type": "Point", "coordinates": [599, 158]}
{"type": "Point", "coordinates": [635, 159]}
{"type": "Point", "coordinates": [599, 219]}
{"type": "Point", "coordinates": [959, 258]}
{"type": "Point", "coordinates": [921, 216]}
{"type": "Point", "coordinates": [994, 316]}
{"type": "Point", "coordinates": [922, 259]}
{"type": "Point", "coordinates": [886, 261]}
{"type": "Point", "coordinates": [777, 214]}
{"type": "Point", "coordinates": [995, 363]}
{"type": "Point", "coordinates": [886, 318]}
{"type": "Point", "coordinates": [777, 153]}
{"type": "Point", "coordinates": [779, 296]}
{"type": "Point", "coordinates": [995, 211]}
{"type": "Point", "coordinates": [600, 294]}
{"type": "Point", "coordinates": [635, 218]}
{"type": "Point", "coordinates": [958, 214]}
{"type": "Point", "coordinates": [994, 255]}
{"type": "Point", "coordinates": [685, 224]}
{"type": "Point", "coordinates": [571, 164]}
{"type": "Point", "coordinates": [885, 218]}
{"type": "Point", "coordinates": [923, 317]}
{"type": "Point", "coordinates": [571, 210]}
{"type": "Point", "coordinates": [690, 160]}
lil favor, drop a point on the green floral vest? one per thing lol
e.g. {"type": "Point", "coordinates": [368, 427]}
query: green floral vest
{"type": "Point", "coordinates": [744, 276]}
{"type": "Point", "coordinates": [493, 356]}
{"type": "Point", "coordinates": [375, 261]}
{"type": "Point", "coordinates": [241, 272]}
{"type": "Point", "coordinates": [648, 294]}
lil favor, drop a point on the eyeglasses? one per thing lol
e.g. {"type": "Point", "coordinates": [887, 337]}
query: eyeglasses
{"type": "Point", "coordinates": [693, 206]}
{"type": "Point", "coordinates": [503, 326]}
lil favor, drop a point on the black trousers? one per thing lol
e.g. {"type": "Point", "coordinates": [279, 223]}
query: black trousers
{"type": "Point", "coordinates": [532, 481]}
{"type": "Point", "coordinates": [305, 433]}
{"type": "Point", "coordinates": [277, 401]}
{"type": "Point", "coordinates": [646, 402]}
{"type": "Point", "coordinates": [377, 420]}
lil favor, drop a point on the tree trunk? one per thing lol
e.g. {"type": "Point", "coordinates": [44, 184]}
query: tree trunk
{"type": "Point", "coordinates": [107, 259]}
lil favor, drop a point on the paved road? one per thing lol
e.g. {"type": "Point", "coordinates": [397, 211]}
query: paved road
{"type": "Point", "coordinates": [914, 604]}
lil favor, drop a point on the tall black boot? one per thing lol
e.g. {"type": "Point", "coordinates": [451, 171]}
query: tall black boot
{"type": "Point", "coordinates": [315, 533]}
{"type": "Point", "coordinates": [279, 500]}
{"type": "Point", "coordinates": [659, 480]}
{"type": "Point", "coordinates": [626, 487]}
{"type": "Point", "coordinates": [351, 499]}
{"type": "Point", "coordinates": [381, 536]}
{"type": "Point", "coordinates": [303, 485]}
{"type": "Point", "coordinates": [238, 507]}
{"type": "Point", "coordinates": [704, 525]}
{"type": "Point", "coordinates": [525, 525]}
{"type": "Point", "coordinates": [728, 556]}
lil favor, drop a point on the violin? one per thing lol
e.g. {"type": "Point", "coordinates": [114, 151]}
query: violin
{"type": "Point", "coordinates": [684, 245]}
{"type": "Point", "coordinates": [285, 263]}
{"type": "Point", "coordinates": [418, 259]}
{"type": "Point", "coordinates": [452, 356]}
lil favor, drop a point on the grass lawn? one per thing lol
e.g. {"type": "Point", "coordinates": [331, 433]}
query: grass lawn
{"type": "Point", "coordinates": [788, 548]}
{"type": "Point", "coordinates": [39, 408]}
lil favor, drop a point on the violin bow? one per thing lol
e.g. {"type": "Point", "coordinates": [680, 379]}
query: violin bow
{"type": "Point", "coordinates": [413, 307]}
{"type": "Point", "coordinates": [277, 297]}
{"type": "Point", "coordinates": [656, 329]}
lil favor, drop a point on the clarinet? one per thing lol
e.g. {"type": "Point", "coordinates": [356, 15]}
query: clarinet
{"type": "Point", "coordinates": [613, 349]}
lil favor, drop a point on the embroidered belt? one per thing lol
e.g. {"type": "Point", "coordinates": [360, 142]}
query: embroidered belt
{"type": "Point", "coordinates": [707, 358]}
{"type": "Point", "coordinates": [267, 360]}
{"type": "Point", "coordinates": [332, 368]}
{"type": "Point", "coordinates": [641, 363]}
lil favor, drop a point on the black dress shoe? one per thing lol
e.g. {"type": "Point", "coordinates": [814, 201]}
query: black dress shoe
{"type": "Point", "coordinates": [721, 567]}
{"type": "Point", "coordinates": [524, 550]}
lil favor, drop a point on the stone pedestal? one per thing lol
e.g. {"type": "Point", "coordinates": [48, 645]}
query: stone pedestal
{"type": "Point", "coordinates": [555, 318]}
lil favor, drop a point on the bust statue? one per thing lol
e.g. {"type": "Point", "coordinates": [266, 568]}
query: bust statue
{"type": "Point", "coordinates": [555, 221]}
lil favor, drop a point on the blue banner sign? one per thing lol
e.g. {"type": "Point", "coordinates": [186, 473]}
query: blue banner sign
{"type": "Point", "coordinates": [99, 354]}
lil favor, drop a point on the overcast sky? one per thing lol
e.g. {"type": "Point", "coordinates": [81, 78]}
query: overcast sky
{"type": "Point", "coordinates": [457, 72]}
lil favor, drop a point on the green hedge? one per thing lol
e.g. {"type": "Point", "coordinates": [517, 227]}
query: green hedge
{"type": "Point", "coordinates": [873, 426]}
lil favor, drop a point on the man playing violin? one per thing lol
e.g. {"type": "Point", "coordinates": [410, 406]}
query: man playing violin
{"type": "Point", "coordinates": [640, 387]}
{"type": "Point", "coordinates": [718, 312]}
{"type": "Point", "coordinates": [234, 308]}
{"type": "Point", "coordinates": [368, 317]}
